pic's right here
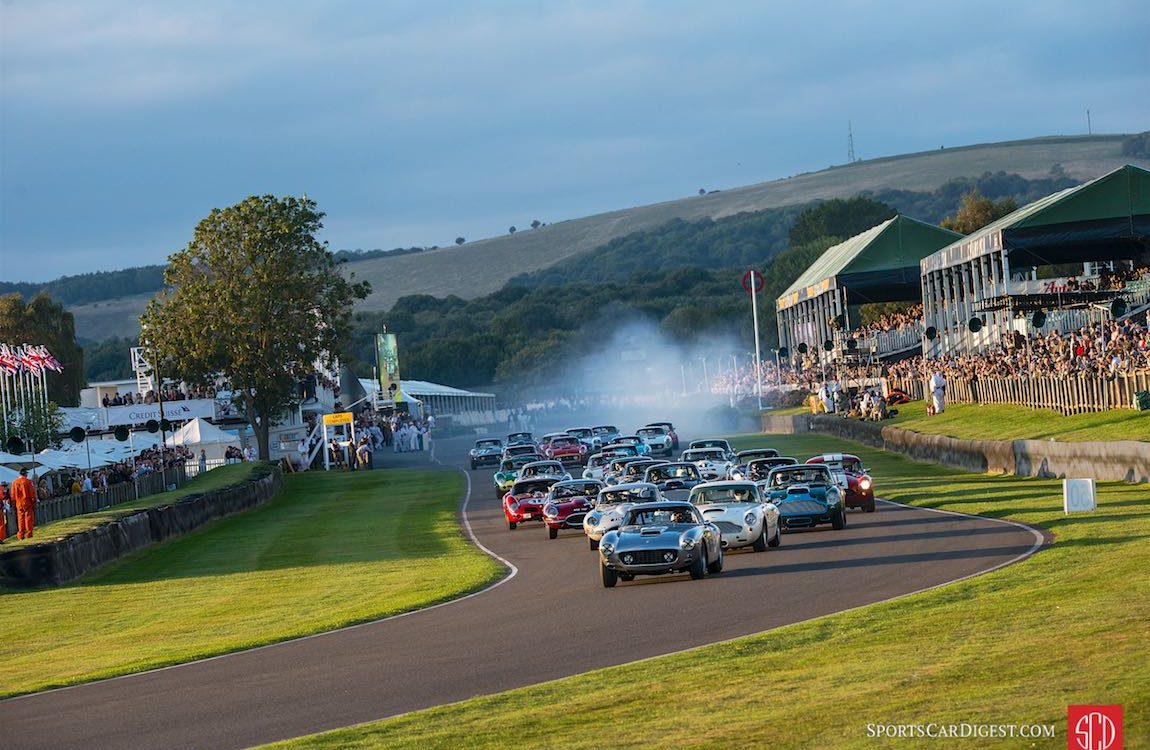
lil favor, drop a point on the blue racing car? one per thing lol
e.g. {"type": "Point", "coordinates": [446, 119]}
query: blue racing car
{"type": "Point", "coordinates": [806, 495]}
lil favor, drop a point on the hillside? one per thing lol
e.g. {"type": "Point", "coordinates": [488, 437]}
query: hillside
{"type": "Point", "coordinates": [478, 268]}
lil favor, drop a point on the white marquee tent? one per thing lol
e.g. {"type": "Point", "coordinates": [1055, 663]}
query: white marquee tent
{"type": "Point", "coordinates": [198, 434]}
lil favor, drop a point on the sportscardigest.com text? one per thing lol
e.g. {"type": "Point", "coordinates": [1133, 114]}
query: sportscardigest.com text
{"type": "Point", "coordinates": [963, 730]}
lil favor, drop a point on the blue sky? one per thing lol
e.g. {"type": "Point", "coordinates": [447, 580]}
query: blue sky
{"type": "Point", "coordinates": [122, 124]}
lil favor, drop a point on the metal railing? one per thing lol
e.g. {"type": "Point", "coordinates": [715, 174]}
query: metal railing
{"type": "Point", "coordinates": [1069, 394]}
{"type": "Point", "coordinates": [66, 506]}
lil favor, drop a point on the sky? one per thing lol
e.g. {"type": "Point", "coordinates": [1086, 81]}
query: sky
{"type": "Point", "coordinates": [124, 123]}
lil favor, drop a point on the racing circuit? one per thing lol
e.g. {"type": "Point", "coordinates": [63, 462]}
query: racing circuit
{"type": "Point", "coordinates": [549, 618]}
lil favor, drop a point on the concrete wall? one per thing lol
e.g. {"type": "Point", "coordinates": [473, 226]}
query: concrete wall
{"type": "Point", "coordinates": [57, 562]}
{"type": "Point", "coordinates": [1119, 461]}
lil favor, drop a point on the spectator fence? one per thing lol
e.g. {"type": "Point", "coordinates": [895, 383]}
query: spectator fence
{"type": "Point", "coordinates": [1074, 394]}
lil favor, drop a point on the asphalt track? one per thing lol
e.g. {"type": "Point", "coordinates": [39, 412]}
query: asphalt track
{"type": "Point", "coordinates": [551, 618]}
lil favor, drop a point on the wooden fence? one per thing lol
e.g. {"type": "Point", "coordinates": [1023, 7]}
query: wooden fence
{"type": "Point", "coordinates": [1072, 394]}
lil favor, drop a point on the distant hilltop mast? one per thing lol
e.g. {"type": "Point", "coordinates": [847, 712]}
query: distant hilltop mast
{"type": "Point", "coordinates": [850, 144]}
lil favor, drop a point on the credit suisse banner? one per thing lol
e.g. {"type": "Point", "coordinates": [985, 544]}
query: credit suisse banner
{"type": "Point", "coordinates": [174, 411]}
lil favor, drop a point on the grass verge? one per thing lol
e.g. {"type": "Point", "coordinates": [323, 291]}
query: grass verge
{"type": "Point", "coordinates": [1015, 646]}
{"type": "Point", "coordinates": [1006, 422]}
{"type": "Point", "coordinates": [331, 550]}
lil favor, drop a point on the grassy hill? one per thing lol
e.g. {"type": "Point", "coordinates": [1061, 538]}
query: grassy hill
{"type": "Point", "coordinates": [479, 268]}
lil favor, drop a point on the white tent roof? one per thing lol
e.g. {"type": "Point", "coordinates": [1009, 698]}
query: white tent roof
{"type": "Point", "coordinates": [201, 432]}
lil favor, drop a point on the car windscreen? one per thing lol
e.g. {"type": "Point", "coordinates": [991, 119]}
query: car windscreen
{"type": "Point", "coordinates": [489, 444]}
{"type": "Point", "coordinates": [735, 494]}
{"type": "Point", "coordinates": [784, 477]}
{"type": "Point", "coordinates": [650, 433]}
{"type": "Point", "coordinates": [662, 516]}
{"type": "Point", "coordinates": [703, 455]}
{"type": "Point", "coordinates": [576, 490]}
{"type": "Point", "coordinates": [523, 489]}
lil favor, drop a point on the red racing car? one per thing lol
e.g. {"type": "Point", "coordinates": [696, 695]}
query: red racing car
{"type": "Point", "coordinates": [525, 500]}
{"type": "Point", "coordinates": [567, 503]}
{"type": "Point", "coordinates": [852, 476]}
{"type": "Point", "coordinates": [567, 449]}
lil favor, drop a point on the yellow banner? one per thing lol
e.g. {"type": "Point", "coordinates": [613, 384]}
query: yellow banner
{"type": "Point", "coordinates": [340, 417]}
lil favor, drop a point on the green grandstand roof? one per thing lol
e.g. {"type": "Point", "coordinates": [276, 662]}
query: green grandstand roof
{"type": "Point", "coordinates": [880, 258]}
{"type": "Point", "coordinates": [1071, 225]}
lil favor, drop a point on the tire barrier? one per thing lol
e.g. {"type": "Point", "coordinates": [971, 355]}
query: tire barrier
{"type": "Point", "coordinates": [57, 562]}
{"type": "Point", "coordinates": [1119, 461]}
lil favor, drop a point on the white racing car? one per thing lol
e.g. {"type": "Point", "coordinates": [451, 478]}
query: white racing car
{"type": "Point", "coordinates": [713, 463]}
{"type": "Point", "coordinates": [611, 505]}
{"type": "Point", "coordinates": [744, 517]}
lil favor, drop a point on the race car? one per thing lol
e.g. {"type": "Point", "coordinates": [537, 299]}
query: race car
{"type": "Point", "coordinates": [524, 502]}
{"type": "Point", "coordinates": [806, 495]}
{"type": "Point", "coordinates": [586, 436]}
{"type": "Point", "coordinates": [713, 463]}
{"type": "Point", "coordinates": [613, 468]}
{"type": "Point", "coordinates": [633, 471]}
{"type": "Point", "coordinates": [744, 517]}
{"type": "Point", "coordinates": [742, 458]}
{"type": "Point", "coordinates": [659, 538]}
{"type": "Point", "coordinates": [545, 468]}
{"type": "Point", "coordinates": [640, 447]}
{"type": "Point", "coordinates": [509, 471]}
{"type": "Point", "coordinates": [657, 439]}
{"type": "Point", "coordinates": [519, 449]}
{"type": "Point", "coordinates": [567, 449]}
{"type": "Point", "coordinates": [852, 476]}
{"type": "Point", "coordinates": [670, 428]}
{"type": "Point", "coordinates": [714, 443]}
{"type": "Point", "coordinates": [759, 468]}
{"type": "Point", "coordinates": [610, 505]}
{"type": "Point", "coordinates": [597, 462]}
{"type": "Point", "coordinates": [672, 475]}
{"type": "Point", "coordinates": [567, 504]}
{"type": "Point", "coordinates": [606, 433]}
{"type": "Point", "coordinates": [487, 451]}
{"type": "Point", "coordinates": [520, 438]}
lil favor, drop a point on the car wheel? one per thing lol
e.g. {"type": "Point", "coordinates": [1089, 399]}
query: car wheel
{"type": "Point", "coordinates": [869, 507]}
{"type": "Point", "coordinates": [552, 532]}
{"type": "Point", "coordinates": [610, 577]}
{"type": "Point", "coordinates": [778, 537]}
{"type": "Point", "coordinates": [594, 543]}
{"type": "Point", "coordinates": [840, 519]}
{"type": "Point", "coordinates": [717, 565]}
{"type": "Point", "coordinates": [760, 543]}
{"type": "Point", "coordinates": [511, 525]}
{"type": "Point", "coordinates": [473, 466]}
{"type": "Point", "coordinates": [626, 576]}
{"type": "Point", "coordinates": [699, 567]}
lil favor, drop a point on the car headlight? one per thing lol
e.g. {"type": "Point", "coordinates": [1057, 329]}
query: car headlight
{"type": "Point", "coordinates": [687, 543]}
{"type": "Point", "coordinates": [749, 518]}
{"type": "Point", "coordinates": [550, 510]}
{"type": "Point", "coordinates": [606, 549]}
{"type": "Point", "coordinates": [864, 484]}
{"type": "Point", "coordinates": [592, 519]}
{"type": "Point", "coordinates": [513, 506]}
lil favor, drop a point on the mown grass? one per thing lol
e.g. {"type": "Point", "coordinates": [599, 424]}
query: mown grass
{"type": "Point", "coordinates": [1015, 646]}
{"type": "Point", "coordinates": [332, 550]}
{"type": "Point", "coordinates": [1006, 422]}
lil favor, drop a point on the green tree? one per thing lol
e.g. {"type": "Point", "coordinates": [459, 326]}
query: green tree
{"type": "Point", "coordinates": [839, 218]}
{"type": "Point", "coordinates": [977, 211]}
{"type": "Point", "coordinates": [254, 298]}
{"type": "Point", "coordinates": [45, 322]}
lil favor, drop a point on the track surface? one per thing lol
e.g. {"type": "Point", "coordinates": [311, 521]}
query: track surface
{"type": "Point", "coordinates": [552, 619]}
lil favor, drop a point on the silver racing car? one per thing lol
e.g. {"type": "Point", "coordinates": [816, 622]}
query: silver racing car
{"type": "Point", "coordinates": [659, 538]}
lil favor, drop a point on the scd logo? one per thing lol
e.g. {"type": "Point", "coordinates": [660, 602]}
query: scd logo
{"type": "Point", "coordinates": [1094, 727]}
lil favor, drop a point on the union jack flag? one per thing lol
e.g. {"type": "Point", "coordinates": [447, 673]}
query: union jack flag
{"type": "Point", "coordinates": [9, 362]}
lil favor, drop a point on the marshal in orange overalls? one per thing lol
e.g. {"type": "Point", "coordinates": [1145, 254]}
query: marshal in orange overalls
{"type": "Point", "coordinates": [24, 501]}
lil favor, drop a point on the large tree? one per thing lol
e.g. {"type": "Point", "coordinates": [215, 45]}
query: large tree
{"type": "Point", "coordinates": [254, 298]}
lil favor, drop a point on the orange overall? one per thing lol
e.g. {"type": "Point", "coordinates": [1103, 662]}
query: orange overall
{"type": "Point", "coordinates": [24, 501]}
{"type": "Point", "coordinates": [3, 515]}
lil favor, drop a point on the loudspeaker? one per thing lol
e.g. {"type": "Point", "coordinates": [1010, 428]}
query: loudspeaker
{"type": "Point", "coordinates": [852, 344]}
{"type": "Point", "coordinates": [121, 433]}
{"type": "Point", "coordinates": [828, 345]}
{"type": "Point", "coordinates": [152, 425]}
{"type": "Point", "coordinates": [14, 445]}
{"type": "Point", "coordinates": [1118, 308]}
{"type": "Point", "coordinates": [77, 434]}
{"type": "Point", "coordinates": [975, 325]}
{"type": "Point", "coordinates": [802, 348]}
{"type": "Point", "coordinates": [784, 353]}
{"type": "Point", "coordinates": [931, 333]}
{"type": "Point", "coordinates": [1038, 319]}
